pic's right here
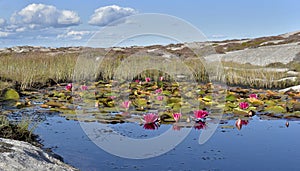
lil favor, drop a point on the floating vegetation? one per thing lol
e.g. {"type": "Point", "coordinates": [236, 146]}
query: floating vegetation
{"type": "Point", "coordinates": [161, 102]}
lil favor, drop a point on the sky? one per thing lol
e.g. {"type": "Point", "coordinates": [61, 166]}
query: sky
{"type": "Point", "coordinates": [56, 23]}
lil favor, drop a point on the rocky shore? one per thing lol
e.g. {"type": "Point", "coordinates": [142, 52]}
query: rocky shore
{"type": "Point", "coordinates": [18, 155]}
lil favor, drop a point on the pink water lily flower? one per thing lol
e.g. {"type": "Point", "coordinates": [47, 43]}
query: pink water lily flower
{"type": "Point", "coordinates": [176, 116]}
{"type": "Point", "coordinates": [69, 87]}
{"type": "Point", "coordinates": [253, 96]}
{"type": "Point", "coordinates": [126, 104]}
{"type": "Point", "coordinates": [150, 118]}
{"type": "Point", "coordinates": [239, 123]}
{"type": "Point", "coordinates": [157, 91]}
{"type": "Point", "coordinates": [112, 97]}
{"type": "Point", "coordinates": [199, 114]}
{"type": "Point", "coordinates": [137, 81]}
{"type": "Point", "coordinates": [244, 105]}
{"type": "Point", "coordinates": [160, 98]}
{"type": "Point", "coordinates": [161, 78]}
{"type": "Point", "coordinates": [84, 87]}
{"type": "Point", "coordinates": [147, 79]}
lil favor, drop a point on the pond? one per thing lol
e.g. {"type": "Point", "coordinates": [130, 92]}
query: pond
{"type": "Point", "coordinates": [259, 145]}
{"type": "Point", "coordinates": [166, 126]}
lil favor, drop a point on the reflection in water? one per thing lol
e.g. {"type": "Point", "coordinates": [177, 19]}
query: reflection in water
{"type": "Point", "coordinates": [287, 124]}
{"type": "Point", "coordinates": [200, 125]}
{"type": "Point", "coordinates": [176, 127]}
{"type": "Point", "coordinates": [150, 126]}
{"type": "Point", "coordinates": [239, 123]}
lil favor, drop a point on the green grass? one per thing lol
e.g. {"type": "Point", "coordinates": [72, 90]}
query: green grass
{"type": "Point", "coordinates": [38, 69]}
{"type": "Point", "coordinates": [22, 130]}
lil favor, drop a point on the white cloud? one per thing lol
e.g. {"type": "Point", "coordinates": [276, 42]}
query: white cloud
{"type": "Point", "coordinates": [218, 36]}
{"type": "Point", "coordinates": [4, 34]}
{"type": "Point", "coordinates": [41, 16]}
{"type": "Point", "coordinates": [2, 22]}
{"type": "Point", "coordinates": [75, 35]}
{"type": "Point", "coordinates": [105, 15]}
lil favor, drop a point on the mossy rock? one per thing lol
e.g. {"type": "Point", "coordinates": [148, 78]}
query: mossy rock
{"type": "Point", "coordinates": [10, 94]}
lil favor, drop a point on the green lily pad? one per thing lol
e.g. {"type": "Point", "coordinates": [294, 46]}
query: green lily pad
{"type": "Point", "coordinates": [231, 98]}
{"type": "Point", "coordinates": [173, 100]}
{"type": "Point", "coordinates": [270, 103]}
{"type": "Point", "coordinates": [239, 111]}
{"type": "Point", "coordinates": [54, 104]}
{"type": "Point", "coordinates": [275, 109]}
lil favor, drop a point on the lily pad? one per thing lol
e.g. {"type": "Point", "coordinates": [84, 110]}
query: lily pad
{"type": "Point", "coordinates": [275, 109]}
{"type": "Point", "coordinates": [239, 111]}
{"type": "Point", "coordinates": [231, 98]}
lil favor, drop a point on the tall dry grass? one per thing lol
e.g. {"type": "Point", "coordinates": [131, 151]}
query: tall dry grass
{"type": "Point", "coordinates": [31, 69]}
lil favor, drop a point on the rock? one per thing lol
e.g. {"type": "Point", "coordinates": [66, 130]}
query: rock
{"type": "Point", "coordinates": [18, 155]}
{"type": "Point", "coordinates": [10, 94]}
{"type": "Point", "coordinates": [294, 88]}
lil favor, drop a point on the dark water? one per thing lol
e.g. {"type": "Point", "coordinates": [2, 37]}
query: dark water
{"type": "Point", "coordinates": [260, 145]}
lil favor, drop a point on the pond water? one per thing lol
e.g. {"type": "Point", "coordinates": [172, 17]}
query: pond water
{"type": "Point", "coordinates": [259, 145]}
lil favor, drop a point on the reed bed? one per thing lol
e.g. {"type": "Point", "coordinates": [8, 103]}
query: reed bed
{"type": "Point", "coordinates": [37, 68]}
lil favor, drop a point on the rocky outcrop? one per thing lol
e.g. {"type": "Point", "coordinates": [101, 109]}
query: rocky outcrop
{"type": "Point", "coordinates": [18, 155]}
{"type": "Point", "coordinates": [294, 88]}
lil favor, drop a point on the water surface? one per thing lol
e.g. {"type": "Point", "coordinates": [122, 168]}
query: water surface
{"type": "Point", "coordinates": [260, 145]}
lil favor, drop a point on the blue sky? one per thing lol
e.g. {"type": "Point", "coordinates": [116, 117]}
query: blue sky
{"type": "Point", "coordinates": [72, 22]}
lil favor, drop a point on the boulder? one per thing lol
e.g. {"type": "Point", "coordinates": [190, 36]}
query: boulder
{"type": "Point", "coordinates": [293, 88]}
{"type": "Point", "coordinates": [19, 155]}
{"type": "Point", "coordinates": [10, 94]}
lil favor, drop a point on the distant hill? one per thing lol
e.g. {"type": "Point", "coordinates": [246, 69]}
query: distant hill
{"type": "Point", "coordinates": [259, 51]}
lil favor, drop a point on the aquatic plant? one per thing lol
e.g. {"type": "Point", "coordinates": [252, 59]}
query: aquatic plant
{"type": "Point", "coordinates": [200, 114]}
{"type": "Point", "coordinates": [150, 118]}
{"type": "Point", "coordinates": [176, 116]}
{"type": "Point", "coordinates": [160, 98]}
{"type": "Point", "coordinates": [84, 87]}
{"type": "Point", "coordinates": [126, 104]}
{"type": "Point", "coordinates": [112, 97]}
{"type": "Point", "coordinates": [253, 96]}
{"type": "Point", "coordinates": [147, 79]}
{"type": "Point", "coordinates": [157, 91]}
{"type": "Point", "coordinates": [244, 105]}
{"type": "Point", "coordinates": [69, 87]}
